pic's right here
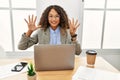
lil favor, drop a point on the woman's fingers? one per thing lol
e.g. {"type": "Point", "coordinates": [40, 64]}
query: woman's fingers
{"type": "Point", "coordinates": [35, 19]}
{"type": "Point", "coordinates": [77, 25]}
{"type": "Point", "coordinates": [76, 22]}
{"type": "Point", "coordinates": [26, 21]}
{"type": "Point", "coordinates": [31, 22]}
{"type": "Point", "coordinates": [29, 18]}
{"type": "Point", "coordinates": [32, 18]}
{"type": "Point", "coordinates": [72, 20]}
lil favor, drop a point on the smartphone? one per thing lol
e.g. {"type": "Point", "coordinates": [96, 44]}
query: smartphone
{"type": "Point", "coordinates": [19, 67]}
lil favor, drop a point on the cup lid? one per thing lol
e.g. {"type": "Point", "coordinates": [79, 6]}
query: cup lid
{"type": "Point", "coordinates": [92, 52]}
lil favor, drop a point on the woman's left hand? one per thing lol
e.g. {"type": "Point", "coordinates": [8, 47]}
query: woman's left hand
{"type": "Point", "coordinates": [73, 26]}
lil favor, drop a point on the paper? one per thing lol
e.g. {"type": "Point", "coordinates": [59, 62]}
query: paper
{"type": "Point", "coordinates": [5, 70]}
{"type": "Point", "coordinates": [84, 73]}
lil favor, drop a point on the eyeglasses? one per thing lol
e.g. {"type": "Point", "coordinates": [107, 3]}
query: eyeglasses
{"type": "Point", "coordinates": [56, 17]}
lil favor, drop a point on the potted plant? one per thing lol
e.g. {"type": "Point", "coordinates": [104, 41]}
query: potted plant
{"type": "Point", "coordinates": [31, 75]}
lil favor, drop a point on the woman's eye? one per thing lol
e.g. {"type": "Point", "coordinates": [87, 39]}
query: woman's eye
{"type": "Point", "coordinates": [57, 16]}
{"type": "Point", "coordinates": [50, 16]}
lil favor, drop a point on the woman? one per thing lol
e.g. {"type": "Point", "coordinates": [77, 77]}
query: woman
{"type": "Point", "coordinates": [53, 28]}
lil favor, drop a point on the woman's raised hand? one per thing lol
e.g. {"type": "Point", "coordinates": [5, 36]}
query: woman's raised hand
{"type": "Point", "coordinates": [73, 26]}
{"type": "Point", "coordinates": [31, 23]}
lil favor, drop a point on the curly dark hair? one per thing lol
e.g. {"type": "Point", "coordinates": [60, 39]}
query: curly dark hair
{"type": "Point", "coordinates": [63, 17]}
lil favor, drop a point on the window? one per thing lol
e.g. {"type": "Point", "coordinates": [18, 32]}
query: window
{"type": "Point", "coordinates": [4, 3]}
{"type": "Point", "coordinates": [12, 14]}
{"type": "Point", "coordinates": [92, 29]}
{"type": "Point", "coordinates": [101, 24]}
{"type": "Point", "coordinates": [112, 30]}
{"type": "Point", "coordinates": [23, 3]}
{"type": "Point", "coordinates": [5, 30]}
{"type": "Point", "coordinates": [113, 4]}
{"type": "Point", "coordinates": [94, 3]}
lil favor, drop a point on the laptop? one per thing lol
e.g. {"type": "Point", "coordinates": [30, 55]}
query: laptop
{"type": "Point", "coordinates": [54, 57]}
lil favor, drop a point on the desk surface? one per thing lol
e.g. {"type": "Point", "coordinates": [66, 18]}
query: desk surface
{"type": "Point", "coordinates": [61, 75]}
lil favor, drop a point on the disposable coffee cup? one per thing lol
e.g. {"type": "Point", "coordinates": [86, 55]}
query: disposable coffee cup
{"type": "Point", "coordinates": [91, 57]}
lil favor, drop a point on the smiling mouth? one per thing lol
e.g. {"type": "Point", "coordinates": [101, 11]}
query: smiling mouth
{"type": "Point", "coordinates": [53, 22]}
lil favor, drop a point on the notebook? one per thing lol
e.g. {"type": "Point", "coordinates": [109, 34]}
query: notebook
{"type": "Point", "coordinates": [54, 57]}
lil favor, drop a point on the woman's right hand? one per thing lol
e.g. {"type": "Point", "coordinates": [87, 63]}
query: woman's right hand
{"type": "Point", "coordinates": [31, 23]}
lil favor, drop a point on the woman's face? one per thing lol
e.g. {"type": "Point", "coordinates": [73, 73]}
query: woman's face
{"type": "Point", "coordinates": [53, 18]}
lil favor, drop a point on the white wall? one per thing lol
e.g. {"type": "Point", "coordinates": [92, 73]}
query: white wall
{"type": "Point", "coordinates": [74, 9]}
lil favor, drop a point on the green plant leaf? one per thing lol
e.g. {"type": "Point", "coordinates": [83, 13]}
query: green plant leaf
{"type": "Point", "coordinates": [31, 71]}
